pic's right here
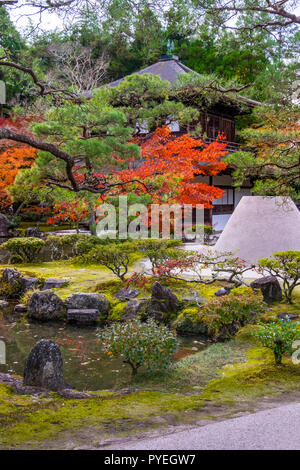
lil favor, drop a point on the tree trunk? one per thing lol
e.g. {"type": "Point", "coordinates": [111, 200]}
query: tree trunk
{"type": "Point", "coordinates": [92, 221]}
{"type": "Point", "coordinates": [278, 358]}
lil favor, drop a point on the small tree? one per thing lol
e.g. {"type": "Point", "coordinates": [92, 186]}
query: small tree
{"type": "Point", "coordinates": [278, 336]}
{"type": "Point", "coordinates": [140, 344]}
{"type": "Point", "coordinates": [284, 265]}
{"type": "Point", "coordinates": [114, 257]}
{"type": "Point", "coordinates": [224, 267]}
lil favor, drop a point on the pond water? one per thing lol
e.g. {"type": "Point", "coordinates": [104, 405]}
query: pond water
{"type": "Point", "coordinates": [86, 367]}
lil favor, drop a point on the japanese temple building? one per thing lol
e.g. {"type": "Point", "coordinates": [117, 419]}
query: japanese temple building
{"type": "Point", "coordinates": [217, 119]}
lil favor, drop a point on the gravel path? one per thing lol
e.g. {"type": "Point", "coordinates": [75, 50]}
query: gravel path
{"type": "Point", "coordinates": [273, 429]}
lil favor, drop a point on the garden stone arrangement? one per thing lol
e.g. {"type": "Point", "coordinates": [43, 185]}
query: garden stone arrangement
{"type": "Point", "coordinates": [86, 308]}
{"type": "Point", "coordinates": [92, 307]}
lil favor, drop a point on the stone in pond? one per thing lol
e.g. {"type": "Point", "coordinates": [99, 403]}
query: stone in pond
{"type": "Point", "coordinates": [270, 288]}
{"type": "Point", "coordinates": [45, 306]}
{"type": "Point", "coordinates": [3, 304]}
{"type": "Point", "coordinates": [83, 316]}
{"type": "Point", "coordinates": [53, 283]}
{"type": "Point", "coordinates": [82, 300]}
{"type": "Point", "coordinates": [44, 366]}
{"type": "Point", "coordinates": [20, 308]}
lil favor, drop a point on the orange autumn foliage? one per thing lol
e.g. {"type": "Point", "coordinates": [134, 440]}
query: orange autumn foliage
{"type": "Point", "coordinates": [67, 211]}
{"type": "Point", "coordinates": [171, 164]}
{"type": "Point", "coordinates": [13, 157]}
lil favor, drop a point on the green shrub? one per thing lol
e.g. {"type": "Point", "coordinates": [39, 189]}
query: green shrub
{"type": "Point", "coordinates": [187, 323]}
{"type": "Point", "coordinates": [140, 344]}
{"type": "Point", "coordinates": [150, 244]}
{"type": "Point", "coordinates": [87, 244]}
{"type": "Point", "coordinates": [117, 312]}
{"type": "Point", "coordinates": [23, 250]}
{"type": "Point", "coordinates": [278, 336]}
{"type": "Point", "coordinates": [221, 317]}
{"type": "Point", "coordinates": [64, 247]}
{"type": "Point", "coordinates": [284, 265]}
{"type": "Point", "coordinates": [225, 315]}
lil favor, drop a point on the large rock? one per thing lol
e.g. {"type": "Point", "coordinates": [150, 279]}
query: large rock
{"type": "Point", "coordinates": [221, 292]}
{"type": "Point", "coordinates": [45, 306]}
{"type": "Point", "coordinates": [3, 304]}
{"type": "Point", "coordinates": [20, 308]}
{"type": "Point", "coordinates": [11, 275]}
{"type": "Point", "coordinates": [28, 283]}
{"type": "Point", "coordinates": [269, 287]}
{"type": "Point", "coordinates": [83, 316]}
{"type": "Point", "coordinates": [133, 308]}
{"type": "Point", "coordinates": [3, 226]}
{"type": "Point", "coordinates": [162, 302]}
{"type": "Point", "coordinates": [285, 315]}
{"type": "Point", "coordinates": [34, 232]}
{"type": "Point", "coordinates": [82, 300]}
{"type": "Point", "coordinates": [53, 283]}
{"type": "Point", "coordinates": [11, 283]}
{"type": "Point", "coordinates": [44, 366]}
{"type": "Point", "coordinates": [127, 293]}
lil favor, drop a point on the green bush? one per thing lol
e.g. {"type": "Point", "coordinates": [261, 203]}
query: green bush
{"type": "Point", "coordinates": [87, 244]}
{"type": "Point", "coordinates": [140, 344]}
{"type": "Point", "coordinates": [278, 336]}
{"type": "Point", "coordinates": [117, 312]}
{"type": "Point", "coordinates": [221, 317]}
{"type": "Point", "coordinates": [64, 247]}
{"type": "Point", "coordinates": [23, 250]}
{"type": "Point", "coordinates": [284, 265]}
{"type": "Point", "coordinates": [225, 315]}
{"type": "Point", "coordinates": [187, 323]}
{"type": "Point", "coordinates": [150, 244]}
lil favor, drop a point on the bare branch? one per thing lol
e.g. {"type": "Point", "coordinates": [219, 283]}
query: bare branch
{"type": "Point", "coordinates": [45, 89]}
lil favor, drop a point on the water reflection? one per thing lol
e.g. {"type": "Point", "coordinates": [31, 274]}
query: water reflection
{"type": "Point", "coordinates": [86, 367]}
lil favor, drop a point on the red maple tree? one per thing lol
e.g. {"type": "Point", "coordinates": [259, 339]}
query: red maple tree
{"type": "Point", "coordinates": [13, 157]}
{"type": "Point", "coordinates": [66, 211]}
{"type": "Point", "coordinates": [171, 164]}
